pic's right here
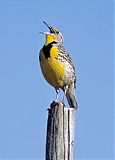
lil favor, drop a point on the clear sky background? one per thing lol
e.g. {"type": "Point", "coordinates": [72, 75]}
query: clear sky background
{"type": "Point", "coordinates": [87, 27]}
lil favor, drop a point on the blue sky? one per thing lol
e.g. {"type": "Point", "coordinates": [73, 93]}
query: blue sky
{"type": "Point", "coordinates": [87, 27]}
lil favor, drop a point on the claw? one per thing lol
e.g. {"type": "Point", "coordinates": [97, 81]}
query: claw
{"type": "Point", "coordinates": [57, 93]}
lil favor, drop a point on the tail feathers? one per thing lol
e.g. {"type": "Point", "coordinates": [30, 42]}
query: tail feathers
{"type": "Point", "coordinates": [71, 98]}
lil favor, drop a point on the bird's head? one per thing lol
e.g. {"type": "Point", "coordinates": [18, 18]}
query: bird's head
{"type": "Point", "coordinates": [53, 36]}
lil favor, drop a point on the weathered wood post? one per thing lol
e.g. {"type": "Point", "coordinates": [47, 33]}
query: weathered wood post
{"type": "Point", "coordinates": [60, 132]}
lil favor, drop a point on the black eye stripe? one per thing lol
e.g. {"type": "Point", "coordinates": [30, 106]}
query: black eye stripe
{"type": "Point", "coordinates": [54, 31]}
{"type": "Point", "coordinates": [51, 30]}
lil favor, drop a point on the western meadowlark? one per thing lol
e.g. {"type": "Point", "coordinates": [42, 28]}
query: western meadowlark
{"type": "Point", "coordinates": [57, 66]}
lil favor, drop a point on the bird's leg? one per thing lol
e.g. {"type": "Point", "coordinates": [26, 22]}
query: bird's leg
{"type": "Point", "coordinates": [65, 91]}
{"type": "Point", "coordinates": [57, 92]}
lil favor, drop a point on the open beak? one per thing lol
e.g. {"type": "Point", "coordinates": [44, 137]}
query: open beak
{"type": "Point", "coordinates": [50, 28]}
{"type": "Point", "coordinates": [44, 33]}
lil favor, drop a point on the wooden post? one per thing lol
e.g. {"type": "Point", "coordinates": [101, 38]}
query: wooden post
{"type": "Point", "coordinates": [60, 132]}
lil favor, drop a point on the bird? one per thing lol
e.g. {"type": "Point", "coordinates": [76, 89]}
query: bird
{"type": "Point", "coordinates": [57, 66]}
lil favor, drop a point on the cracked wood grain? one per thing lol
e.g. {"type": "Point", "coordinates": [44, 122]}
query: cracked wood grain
{"type": "Point", "coordinates": [60, 132]}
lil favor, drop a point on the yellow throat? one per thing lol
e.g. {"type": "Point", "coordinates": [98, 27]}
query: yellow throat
{"type": "Point", "coordinates": [50, 38]}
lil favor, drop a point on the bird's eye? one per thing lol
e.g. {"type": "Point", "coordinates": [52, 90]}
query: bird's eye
{"type": "Point", "coordinates": [57, 32]}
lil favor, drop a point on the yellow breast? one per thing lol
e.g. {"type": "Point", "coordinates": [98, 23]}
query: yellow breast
{"type": "Point", "coordinates": [52, 68]}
